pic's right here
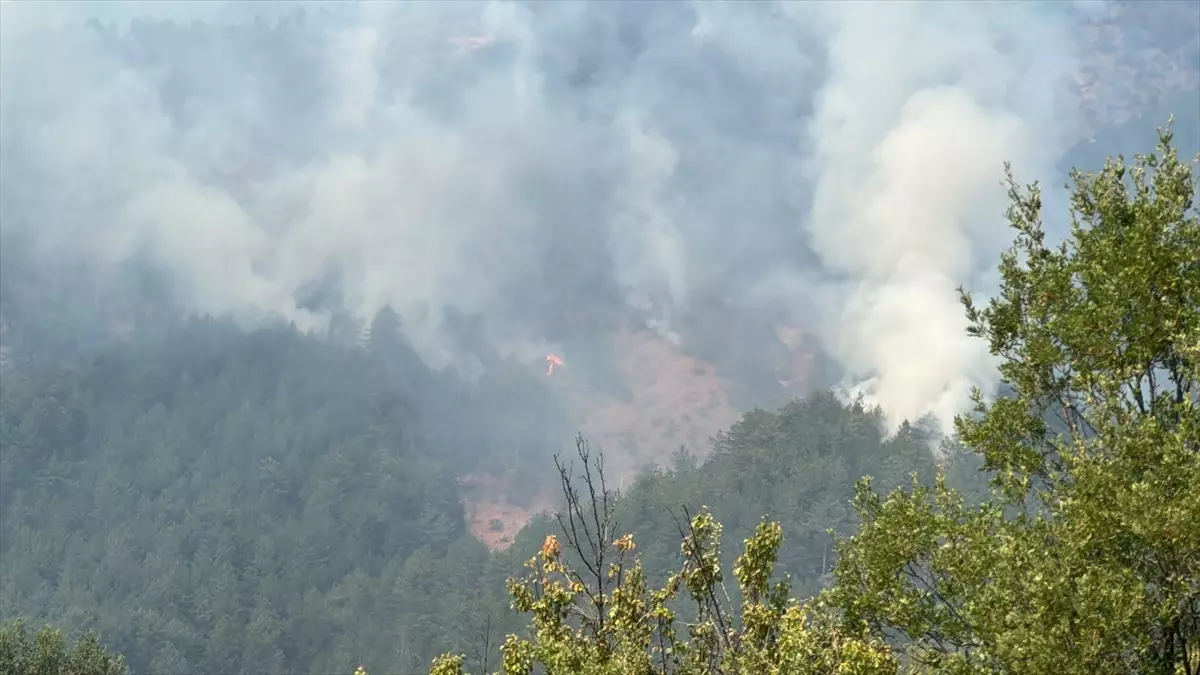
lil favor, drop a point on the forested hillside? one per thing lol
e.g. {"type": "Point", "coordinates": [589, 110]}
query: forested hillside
{"type": "Point", "coordinates": [213, 500]}
{"type": "Point", "coordinates": [599, 338]}
{"type": "Point", "coordinates": [231, 502]}
{"type": "Point", "coordinates": [202, 500]}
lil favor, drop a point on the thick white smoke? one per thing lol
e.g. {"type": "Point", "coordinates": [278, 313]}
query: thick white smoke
{"type": "Point", "coordinates": [923, 105]}
{"type": "Point", "coordinates": [481, 156]}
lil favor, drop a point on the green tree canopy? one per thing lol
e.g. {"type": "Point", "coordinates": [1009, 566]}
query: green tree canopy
{"type": "Point", "coordinates": [48, 653]}
{"type": "Point", "coordinates": [1087, 560]}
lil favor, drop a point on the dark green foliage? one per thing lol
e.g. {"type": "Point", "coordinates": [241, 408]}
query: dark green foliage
{"type": "Point", "coordinates": [234, 502]}
{"type": "Point", "coordinates": [47, 653]}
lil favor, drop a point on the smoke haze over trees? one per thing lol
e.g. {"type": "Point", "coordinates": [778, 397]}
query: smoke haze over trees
{"type": "Point", "coordinates": [553, 167]}
{"type": "Point", "coordinates": [279, 283]}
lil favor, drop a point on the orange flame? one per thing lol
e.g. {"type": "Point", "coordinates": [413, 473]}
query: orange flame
{"type": "Point", "coordinates": [553, 360]}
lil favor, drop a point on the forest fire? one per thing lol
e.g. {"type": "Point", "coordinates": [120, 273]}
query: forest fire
{"type": "Point", "coordinates": [653, 397]}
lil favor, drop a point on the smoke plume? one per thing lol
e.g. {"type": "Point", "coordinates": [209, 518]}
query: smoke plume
{"type": "Point", "coordinates": [839, 164]}
{"type": "Point", "coordinates": [922, 106]}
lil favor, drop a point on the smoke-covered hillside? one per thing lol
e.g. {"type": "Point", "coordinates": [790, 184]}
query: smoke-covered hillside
{"type": "Point", "coordinates": [559, 173]}
{"type": "Point", "coordinates": [670, 198]}
{"type": "Point", "coordinates": [298, 298]}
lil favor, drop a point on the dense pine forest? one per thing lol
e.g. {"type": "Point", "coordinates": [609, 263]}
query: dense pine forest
{"type": "Point", "coordinates": [196, 486]}
{"type": "Point", "coordinates": [191, 486]}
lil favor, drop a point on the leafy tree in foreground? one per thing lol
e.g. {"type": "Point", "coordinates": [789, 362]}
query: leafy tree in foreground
{"type": "Point", "coordinates": [1087, 559]}
{"type": "Point", "coordinates": [594, 613]}
{"type": "Point", "coordinates": [47, 653]}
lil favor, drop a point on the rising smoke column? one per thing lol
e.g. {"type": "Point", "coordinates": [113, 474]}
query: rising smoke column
{"type": "Point", "coordinates": [923, 105]}
{"type": "Point", "coordinates": [673, 147]}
